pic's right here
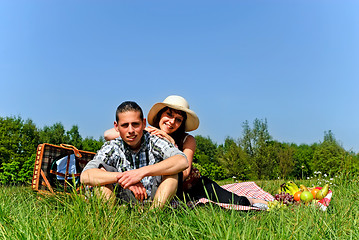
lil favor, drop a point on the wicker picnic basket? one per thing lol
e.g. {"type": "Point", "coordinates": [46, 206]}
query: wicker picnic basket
{"type": "Point", "coordinates": [48, 178]}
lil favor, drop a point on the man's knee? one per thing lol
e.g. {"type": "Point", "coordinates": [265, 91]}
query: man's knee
{"type": "Point", "coordinates": [105, 191]}
{"type": "Point", "coordinates": [166, 190]}
{"type": "Point", "coordinates": [165, 183]}
{"type": "Point", "coordinates": [169, 183]}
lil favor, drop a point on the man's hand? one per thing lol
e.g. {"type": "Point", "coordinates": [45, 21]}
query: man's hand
{"type": "Point", "coordinates": [129, 178]}
{"type": "Point", "coordinates": [139, 191]}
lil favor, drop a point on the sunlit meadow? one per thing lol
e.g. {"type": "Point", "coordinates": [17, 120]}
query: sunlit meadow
{"type": "Point", "coordinates": [25, 214]}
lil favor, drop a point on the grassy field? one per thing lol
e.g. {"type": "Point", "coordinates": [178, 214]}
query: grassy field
{"type": "Point", "coordinates": [26, 215]}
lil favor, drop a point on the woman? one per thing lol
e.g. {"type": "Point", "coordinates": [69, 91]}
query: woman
{"type": "Point", "coordinates": [172, 119]}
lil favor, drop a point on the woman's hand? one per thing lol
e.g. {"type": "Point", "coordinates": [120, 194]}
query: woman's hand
{"type": "Point", "coordinates": [160, 133]}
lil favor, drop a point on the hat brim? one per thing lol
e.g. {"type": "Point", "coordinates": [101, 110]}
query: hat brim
{"type": "Point", "coordinates": [191, 123]}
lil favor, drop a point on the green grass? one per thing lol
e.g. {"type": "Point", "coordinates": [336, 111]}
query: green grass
{"type": "Point", "coordinates": [27, 215]}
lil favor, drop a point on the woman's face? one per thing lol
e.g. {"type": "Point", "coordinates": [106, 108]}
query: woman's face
{"type": "Point", "coordinates": [170, 121]}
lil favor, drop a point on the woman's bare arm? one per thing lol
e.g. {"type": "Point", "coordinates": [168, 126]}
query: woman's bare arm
{"type": "Point", "coordinates": [189, 147]}
{"type": "Point", "coordinates": [160, 133]}
{"type": "Point", "coordinates": [111, 134]}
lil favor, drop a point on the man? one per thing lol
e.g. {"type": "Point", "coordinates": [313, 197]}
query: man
{"type": "Point", "coordinates": [144, 165]}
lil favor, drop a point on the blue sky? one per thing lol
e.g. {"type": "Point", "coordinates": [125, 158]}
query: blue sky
{"type": "Point", "coordinates": [295, 63]}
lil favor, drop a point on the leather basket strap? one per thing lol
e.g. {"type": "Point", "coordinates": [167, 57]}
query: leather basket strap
{"type": "Point", "coordinates": [63, 175]}
{"type": "Point", "coordinates": [68, 146]}
{"type": "Point", "coordinates": [47, 183]}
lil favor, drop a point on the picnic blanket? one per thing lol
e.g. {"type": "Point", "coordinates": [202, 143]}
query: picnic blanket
{"type": "Point", "coordinates": [250, 190]}
{"type": "Point", "coordinates": [324, 203]}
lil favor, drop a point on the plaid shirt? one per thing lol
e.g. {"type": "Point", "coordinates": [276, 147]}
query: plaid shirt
{"type": "Point", "coordinates": [118, 154]}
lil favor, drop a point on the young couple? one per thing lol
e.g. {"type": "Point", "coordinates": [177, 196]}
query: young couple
{"type": "Point", "coordinates": [153, 162]}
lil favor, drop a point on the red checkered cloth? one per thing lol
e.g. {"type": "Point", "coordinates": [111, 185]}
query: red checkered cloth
{"type": "Point", "coordinates": [324, 203]}
{"type": "Point", "coordinates": [248, 189]}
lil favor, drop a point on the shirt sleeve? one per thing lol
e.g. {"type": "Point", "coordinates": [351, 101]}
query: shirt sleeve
{"type": "Point", "coordinates": [101, 157]}
{"type": "Point", "coordinates": [164, 149]}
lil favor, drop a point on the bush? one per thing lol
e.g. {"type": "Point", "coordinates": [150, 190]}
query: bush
{"type": "Point", "coordinates": [211, 171]}
{"type": "Point", "coordinates": [16, 173]}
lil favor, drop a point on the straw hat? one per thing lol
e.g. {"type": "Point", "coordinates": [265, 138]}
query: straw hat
{"type": "Point", "coordinates": [178, 103]}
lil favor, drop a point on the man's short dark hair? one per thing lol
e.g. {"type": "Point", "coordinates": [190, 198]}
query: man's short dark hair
{"type": "Point", "coordinates": [128, 106]}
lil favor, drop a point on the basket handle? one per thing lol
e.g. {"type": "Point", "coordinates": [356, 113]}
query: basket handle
{"type": "Point", "coordinates": [68, 146]}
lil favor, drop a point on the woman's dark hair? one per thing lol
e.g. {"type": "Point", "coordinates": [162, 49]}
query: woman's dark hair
{"type": "Point", "coordinates": [180, 133]}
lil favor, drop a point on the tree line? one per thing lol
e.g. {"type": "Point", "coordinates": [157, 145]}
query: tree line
{"type": "Point", "coordinates": [255, 155]}
{"type": "Point", "coordinates": [19, 140]}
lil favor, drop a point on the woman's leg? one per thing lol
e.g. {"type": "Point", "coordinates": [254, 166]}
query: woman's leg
{"type": "Point", "coordinates": [209, 189]}
{"type": "Point", "coordinates": [179, 193]}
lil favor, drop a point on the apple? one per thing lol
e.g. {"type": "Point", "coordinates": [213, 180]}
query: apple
{"type": "Point", "coordinates": [306, 197]}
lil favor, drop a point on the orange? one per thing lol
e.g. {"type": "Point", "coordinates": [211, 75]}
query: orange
{"type": "Point", "coordinates": [314, 192]}
{"type": "Point", "coordinates": [297, 196]}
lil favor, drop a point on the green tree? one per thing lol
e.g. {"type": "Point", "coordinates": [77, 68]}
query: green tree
{"type": "Point", "coordinates": [285, 155]}
{"type": "Point", "coordinates": [18, 142]}
{"type": "Point", "coordinates": [303, 160]}
{"type": "Point", "coordinates": [74, 137]}
{"type": "Point", "coordinates": [329, 157]}
{"type": "Point", "coordinates": [233, 159]}
{"type": "Point", "coordinates": [255, 142]}
{"type": "Point", "coordinates": [54, 134]}
{"type": "Point", "coordinates": [354, 163]}
{"type": "Point", "coordinates": [205, 151]}
{"type": "Point", "coordinates": [213, 171]}
{"type": "Point", "coordinates": [26, 170]}
{"type": "Point", "coordinates": [91, 144]}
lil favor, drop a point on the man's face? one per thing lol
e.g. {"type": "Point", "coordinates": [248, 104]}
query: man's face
{"type": "Point", "coordinates": [131, 126]}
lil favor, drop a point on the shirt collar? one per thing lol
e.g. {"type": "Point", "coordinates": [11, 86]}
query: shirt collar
{"type": "Point", "coordinates": [143, 147]}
